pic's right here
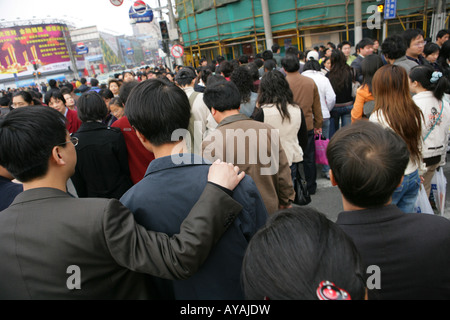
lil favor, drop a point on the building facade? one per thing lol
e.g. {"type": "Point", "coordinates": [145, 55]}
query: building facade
{"type": "Point", "coordinates": [235, 27]}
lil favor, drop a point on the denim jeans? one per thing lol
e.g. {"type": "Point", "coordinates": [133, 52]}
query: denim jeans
{"type": "Point", "coordinates": [340, 117]}
{"type": "Point", "coordinates": [405, 195]}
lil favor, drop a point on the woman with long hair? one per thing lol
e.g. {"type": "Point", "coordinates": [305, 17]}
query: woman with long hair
{"type": "Point", "coordinates": [242, 78]}
{"type": "Point", "coordinates": [429, 86]}
{"type": "Point", "coordinates": [341, 79]}
{"type": "Point", "coordinates": [277, 108]}
{"type": "Point", "coordinates": [369, 66]}
{"type": "Point", "coordinates": [395, 109]}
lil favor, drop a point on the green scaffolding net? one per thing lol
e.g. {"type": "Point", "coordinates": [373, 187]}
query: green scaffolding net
{"type": "Point", "coordinates": [202, 21]}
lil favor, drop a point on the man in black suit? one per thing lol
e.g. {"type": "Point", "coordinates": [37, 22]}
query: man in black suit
{"type": "Point", "coordinates": [408, 254]}
{"type": "Point", "coordinates": [55, 246]}
{"type": "Point", "coordinates": [365, 47]}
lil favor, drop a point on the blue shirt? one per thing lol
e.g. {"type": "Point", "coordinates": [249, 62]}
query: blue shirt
{"type": "Point", "coordinates": [163, 199]}
{"type": "Point", "coordinates": [8, 192]}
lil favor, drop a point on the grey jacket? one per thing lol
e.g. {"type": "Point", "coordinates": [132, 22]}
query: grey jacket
{"type": "Point", "coordinates": [58, 247]}
{"type": "Point", "coordinates": [405, 63]}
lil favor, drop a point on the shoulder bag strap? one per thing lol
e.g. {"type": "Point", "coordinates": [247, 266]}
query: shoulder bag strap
{"type": "Point", "coordinates": [435, 123]}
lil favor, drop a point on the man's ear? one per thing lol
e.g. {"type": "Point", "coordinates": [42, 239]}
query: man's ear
{"type": "Point", "coordinates": [57, 156]}
{"type": "Point", "coordinates": [332, 179]}
{"type": "Point", "coordinates": [147, 145]}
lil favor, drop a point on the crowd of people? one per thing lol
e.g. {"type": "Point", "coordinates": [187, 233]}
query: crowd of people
{"type": "Point", "coordinates": [180, 185]}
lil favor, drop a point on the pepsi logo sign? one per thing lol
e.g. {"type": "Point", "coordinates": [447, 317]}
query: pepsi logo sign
{"type": "Point", "coordinates": [139, 7]}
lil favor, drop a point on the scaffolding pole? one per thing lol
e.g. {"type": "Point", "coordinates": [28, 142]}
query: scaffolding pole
{"type": "Point", "coordinates": [267, 23]}
{"type": "Point", "coordinates": [358, 21]}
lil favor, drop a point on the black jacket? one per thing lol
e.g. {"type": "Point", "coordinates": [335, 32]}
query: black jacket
{"type": "Point", "coordinates": [102, 162]}
{"type": "Point", "coordinates": [410, 249]}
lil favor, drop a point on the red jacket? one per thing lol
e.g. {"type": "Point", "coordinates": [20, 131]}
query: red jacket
{"type": "Point", "coordinates": [73, 122]}
{"type": "Point", "coordinates": [138, 157]}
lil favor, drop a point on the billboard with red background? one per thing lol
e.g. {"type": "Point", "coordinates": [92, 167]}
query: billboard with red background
{"type": "Point", "coordinates": [23, 46]}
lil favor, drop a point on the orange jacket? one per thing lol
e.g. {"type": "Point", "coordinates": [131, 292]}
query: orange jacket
{"type": "Point", "coordinates": [362, 96]}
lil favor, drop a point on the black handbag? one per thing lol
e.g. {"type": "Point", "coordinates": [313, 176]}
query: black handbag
{"type": "Point", "coordinates": [302, 196]}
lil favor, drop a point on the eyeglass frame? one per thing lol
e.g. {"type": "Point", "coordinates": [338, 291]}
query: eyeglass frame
{"type": "Point", "coordinates": [74, 141]}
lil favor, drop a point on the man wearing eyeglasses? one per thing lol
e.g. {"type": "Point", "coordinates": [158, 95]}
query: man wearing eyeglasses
{"type": "Point", "coordinates": [55, 246]}
{"type": "Point", "coordinates": [415, 44]}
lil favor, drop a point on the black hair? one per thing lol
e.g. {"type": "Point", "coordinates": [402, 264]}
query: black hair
{"type": "Point", "coordinates": [312, 65]}
{"type": "Point", "coordinates": [295, 252]}
{"type": "Point", "coordinates": [65, 90]}
{"type": "Point", "coordinates": [117, 101]}
{"type": "Point", "coordinates": [430, 48]}
{"type": "Point", "coordinates": [125, 90]}
{"type": "Point", "coordinates": [106, 94]}
{"type": "Point", "coordinates": [27, 97]}
{"type": "Point", "coordinates": [253, 69]}
{"type": "Point", "coordinates": [214, 79]}
{"type": "Point", "coordinates": [292, 50]}
{"type": "Point", "coordinates": [57, 94]}
{"type": "Point", "coordinates": [332, 45]}
{"type": "Point", "coordinates": [52, 83]}
{"type": "Point", "coordinates": [68, 85]}
{"type": "Point", "coordinates": [275, 47]}
{"type": "Point", "coordinates": [270, 65]}
{"type": "Point", "coordinates": [344, 43]}
{"type": "Point", "coordinates": [365, 42]}
{"type": "Point", "coordinates": [290, 63]}
{"type": "Point", "coordinates": [157, 108]}
{"type": "Point", "coordinates": [274, 89]}
{"type": "Point", "coordinates": [205, 73]}
{"type": "Point", "coordinates": [4, 101]}
{"type": "Point", "coordinates": [442, 33]}
{"type": "Point", "coordinates": [226, 67]}
{"type": "Point", "coordinates": [369, 66]}
{"type": "Point", "coordinates": [267, 55]}
{"type": "Point", "coordinates": [94, 82]}
{"type": "Point", "coordinates": [367, 162]}
{"type": "Point", "coordinates": [243, 59]}
{"type": "Point", "coordinates": [219, 59]}
{"type": "Point", "coordinates": [83, 80]}
{"type": "Point", "coordinates": [340, 71]}
{"type": "Point", "coordinates": [91, 107]}
{"type": "Point", "coordinates": [411, 34]}
{"type": "Point", "coordinates": [222, 96]}
{"type": "Point", "coordinates": [394, 47]}
{"type": "Point", "coordinates": [439, 84]}
{"type": "Point", "coordinates": [27, 138]}
{"type": "Point", "coordinates": [185, 76]}
{"type": "Point", "coordinates": [259, 63]}
{"type": "Point", "coordinates": [244, 82]}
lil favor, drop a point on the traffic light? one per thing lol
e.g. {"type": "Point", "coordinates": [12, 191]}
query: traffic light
{"type": "Point", "coordinates": [164, 30]}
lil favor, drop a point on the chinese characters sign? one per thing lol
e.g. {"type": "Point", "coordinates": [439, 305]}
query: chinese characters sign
{"type": "Point", "coordinates": [390, 9]}
{"type": "Point", "coordinates": [23, 46]}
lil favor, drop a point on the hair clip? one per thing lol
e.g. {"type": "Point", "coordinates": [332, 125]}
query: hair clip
{"type": "Point", "coordinates": [329, 291]}
{"type": "Point", "coordinates": [435, 76]}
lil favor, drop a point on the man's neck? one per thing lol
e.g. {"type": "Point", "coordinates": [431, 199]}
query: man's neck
{"type": "Point", "coordinates": [220, 116]}
{"type": "Point", "coordinates": [351, 207]}
{"type": "Point", "coordinates": [46, 182]}
{"type": "Point", "coordinates": [169, 149]}
{"type": "Point", "coordinates": [410, 55]}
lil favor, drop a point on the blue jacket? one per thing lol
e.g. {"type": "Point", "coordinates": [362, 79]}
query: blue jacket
{"type": "Point", "coordinates": [163, 199]}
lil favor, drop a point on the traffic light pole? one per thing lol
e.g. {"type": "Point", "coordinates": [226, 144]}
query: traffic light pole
{"type": "Point", "coordinates": [173, 25]}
